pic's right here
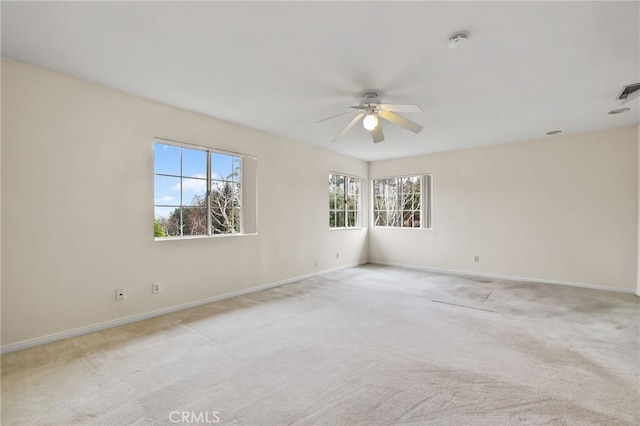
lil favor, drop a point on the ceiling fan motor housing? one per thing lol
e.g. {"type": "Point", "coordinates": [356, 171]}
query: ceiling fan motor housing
{"type": "Point", "coordinates": [370, 98]}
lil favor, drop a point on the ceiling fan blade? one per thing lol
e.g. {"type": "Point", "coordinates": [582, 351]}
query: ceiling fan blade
{"type": "Point", "coordinates": [401, 108]}
{"type": "Point", "coordinates": [400, 121]}
{"type": "Point", "coordinates": [349, 126]}
{"type": "Point", "coordinates": [335, 116]}
{"type": "Point", "coordinates": [376, 134]}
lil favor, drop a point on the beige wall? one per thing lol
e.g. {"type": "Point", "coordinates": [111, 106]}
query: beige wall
{"type": "Point", "coordinates": [638, 263]}
{"type": "Point", "coordinates": [558, 209]}
{"type": "Point", "coordinates": [77, 183]}
{"type": "Point", "coordinates": [77, 194]}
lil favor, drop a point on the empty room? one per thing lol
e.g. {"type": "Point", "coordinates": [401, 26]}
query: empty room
{"type": "Point", "coordinates": [320, 213]}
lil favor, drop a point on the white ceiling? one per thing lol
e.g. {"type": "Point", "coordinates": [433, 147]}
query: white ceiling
{"type": "Point", "coordinates": [528, 67]}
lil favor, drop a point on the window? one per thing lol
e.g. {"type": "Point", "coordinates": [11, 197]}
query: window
{"type": "Point", "coordinates": [344, 201]}
{"type": "Point", "coordinates": [197, 191]}
{"type": "Point", "coordinates": [402, 202]}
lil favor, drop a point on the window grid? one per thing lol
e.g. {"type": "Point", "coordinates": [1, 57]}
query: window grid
{"type": "Point", "coordinates": [206, 205]}
{"type": "Point", "coordinates": [344, 201]}
{"type": "Point", "coordinates": [398, 202]}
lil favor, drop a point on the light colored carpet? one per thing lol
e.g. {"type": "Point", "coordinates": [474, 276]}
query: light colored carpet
{"type": "Point", "coordinates": [370, 345]}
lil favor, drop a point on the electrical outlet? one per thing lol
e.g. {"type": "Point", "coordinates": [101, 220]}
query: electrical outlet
{"type": "Point", "coordinates": [120, 294]}
{"type": "Point", "coordinates": [337, 255]}
{"type": "Point", "coordinates": [476, 259]}
{"type": "Point", "coordinates": [155, 287]}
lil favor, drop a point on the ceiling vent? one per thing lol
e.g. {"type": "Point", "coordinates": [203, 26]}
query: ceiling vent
{"type": "Point", "coordinates": [628, 92]}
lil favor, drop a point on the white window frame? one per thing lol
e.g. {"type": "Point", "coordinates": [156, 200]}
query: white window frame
{"type": "Point", "coordinates": [426, 201]}
{"type": "Point", "coordinates": [209, 180]}
{"type": "Point", "coordinates": [359, 217]}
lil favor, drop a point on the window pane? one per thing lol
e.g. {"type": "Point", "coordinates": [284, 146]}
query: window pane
{"type": "Point", "coordinates": [225, 211]}
{"type": "Point", "coordinates": [162, 221]}
{"type": "Point", "coordinates": [343, 195]}
{"type": "Point", "coordinates": [169, 220]}
{"type": "Point", "coordinates": [380, 218]}
{"type": "Point", "coordinates": [218, 185]}
{"type": "Point", "coordinates": [166, 159]}
{"type": "Point", "coordinates": [353, 186]}
{"type": "Point", "coordinates": [194, 163]}
{"type": "Point", "coordinates": [236, 221]}
{"type": "Point", "coordinates": [236, 161]}
{"type": "Point", "coordinates": [163, 212]}
{"type": "Point", "coordinates": [225, 192]}
{"type": "Point", "coordinates": [352, 203]}
{"type": "Point", "coordinates": [393, 218]}
{"type": "Point", "coordinates": [194, 220]}
{"type": "Point", "coordinates": [193, 192]}
{"type": "Point", "coordinates": [225, 221]}
{"type": "Point", "coordinates": [235, 193]}
{"type": "Point", "coordinates": [352, 218]}
{"type": "Point", "coordinates": [391, 185]}
{"type": "Point", "coordinates": [409, 201]}
{"type": "Point", "coordinates": [166, 190]}
{"type": "Point", "coordinates": [407, 218]}
{"type": "Point", "coordinates": [221, 166]}
{"type": "Point", "coordinates": [385, 202]}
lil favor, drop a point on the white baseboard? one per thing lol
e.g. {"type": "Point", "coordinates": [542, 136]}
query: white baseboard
{"type": "Point", "coordinates": [25, 344]}
{"type": "Point", "coordinates": [504, 277]}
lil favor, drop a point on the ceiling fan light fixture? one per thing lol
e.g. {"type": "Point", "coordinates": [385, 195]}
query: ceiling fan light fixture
{"type": "Point", "coordinates": [370, 121]}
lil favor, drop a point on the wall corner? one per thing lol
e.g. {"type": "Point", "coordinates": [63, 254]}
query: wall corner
{"type": "Point", "coordinates": [638, 246]}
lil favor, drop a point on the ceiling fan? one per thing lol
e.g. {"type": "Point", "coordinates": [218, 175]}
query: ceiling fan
{"type": "Point", "coordinates": [371, 111]}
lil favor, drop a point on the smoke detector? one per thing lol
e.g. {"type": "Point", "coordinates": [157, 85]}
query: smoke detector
{"type": "Point", "coordinates": [457, 40]}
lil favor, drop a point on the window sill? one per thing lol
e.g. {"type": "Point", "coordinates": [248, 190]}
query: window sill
{"type": "Point", "coordinates": [201, 237]}
{"type": "Point", "coordinates": [348, 228]}
{"type": "Point", "coordinates": [401, 227]}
